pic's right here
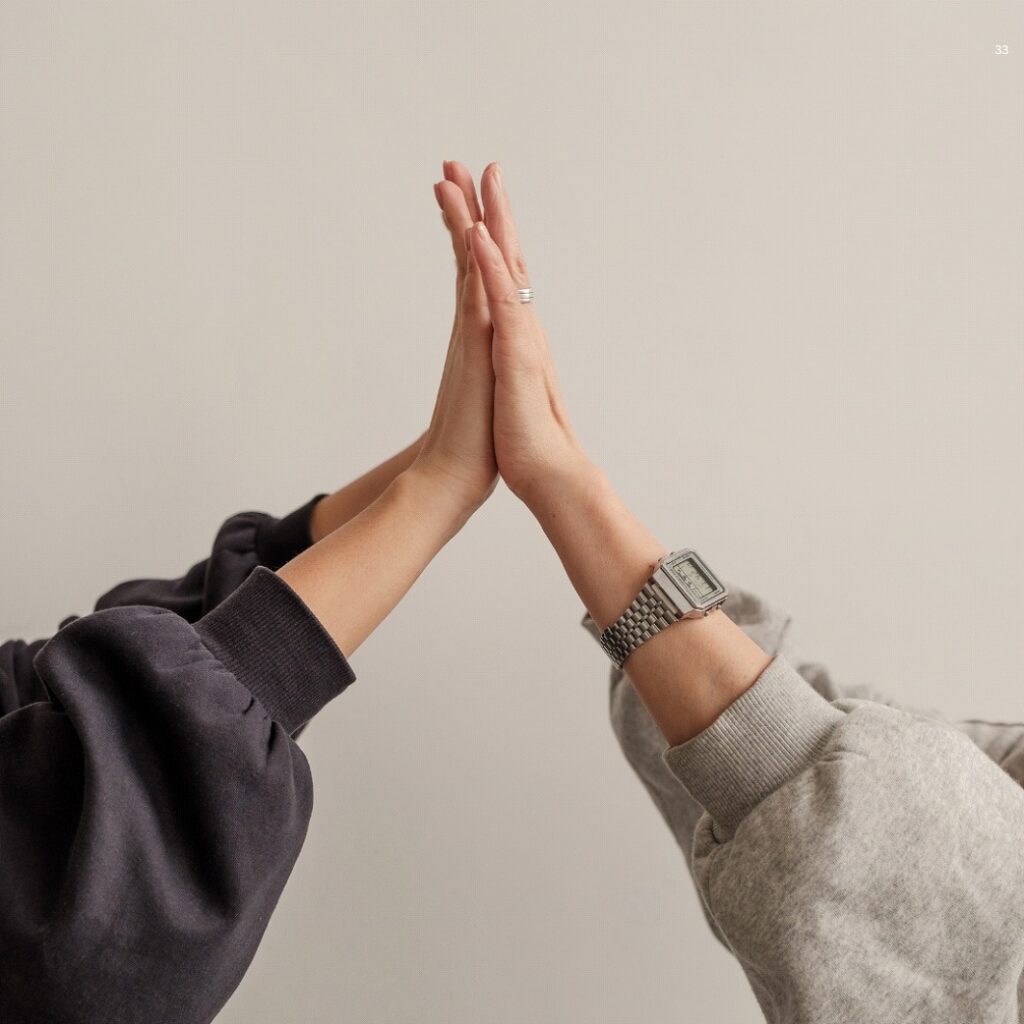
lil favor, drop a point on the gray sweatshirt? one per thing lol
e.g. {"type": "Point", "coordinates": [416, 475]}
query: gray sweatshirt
{"type": "Point", "coordinates": [863, 860]}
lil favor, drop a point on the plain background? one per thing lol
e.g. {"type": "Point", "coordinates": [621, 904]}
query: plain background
{"type": "Point", "coordinates": [777, 250]}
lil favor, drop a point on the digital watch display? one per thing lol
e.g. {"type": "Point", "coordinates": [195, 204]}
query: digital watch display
{"type": "Point", "coordinates": [681, 587]}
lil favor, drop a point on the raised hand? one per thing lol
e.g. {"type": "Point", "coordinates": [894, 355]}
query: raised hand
{"type": "Point", "coordinates": [534, 442]}
{"type": "Point", "coordinates": [686, 674]}
{"type": "Point", "coordinates": [452, 470]}
{"type": "Point", "coordinates": [458, 445]}
{"type": "Point", "coordinates": [458, 194]}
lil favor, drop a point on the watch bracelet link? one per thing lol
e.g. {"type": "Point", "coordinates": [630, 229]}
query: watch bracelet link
{"type": "Point", "coordinates": [646, 616]}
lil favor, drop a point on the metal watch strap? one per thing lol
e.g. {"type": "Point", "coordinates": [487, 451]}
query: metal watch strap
{"type": "Point", "coordinates": [646, 616]}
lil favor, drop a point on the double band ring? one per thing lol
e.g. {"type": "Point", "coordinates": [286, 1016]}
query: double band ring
{"type": "Point", "coordinates": [525, 294]}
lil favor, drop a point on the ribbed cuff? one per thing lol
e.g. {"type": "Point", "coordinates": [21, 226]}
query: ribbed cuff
{"type": "Point", "coordinates": [280, 540]}
{"type": "Point", "coordinates": [760, 741]}
{"type": "Point", "coordinates": [273, 644]}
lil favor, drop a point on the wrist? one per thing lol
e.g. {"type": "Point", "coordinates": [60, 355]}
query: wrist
{"type": "Point", "coordinates": [334, 510]}
{"type": "Point", "coordinates": [432, 494]}
{"type": "Point", "coordinates": [606, 551]}
{"type": "Point", "coordinates": [570, 482]}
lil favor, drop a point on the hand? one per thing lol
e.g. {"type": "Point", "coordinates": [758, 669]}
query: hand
{"type": "Point", "coordinates": [335, 510]}
{"type": "Point", "coordinates": [687, 674]}
{"type": "Point", "coordinates": [417, 509]}
{"type": "Point", "coordinates": [534, 442]}
{"type": "Point", "coordinates": [458, 445]}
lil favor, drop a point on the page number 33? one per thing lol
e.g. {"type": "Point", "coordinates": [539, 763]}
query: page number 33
{"type": "Point", "coordinates": [1002, 48]}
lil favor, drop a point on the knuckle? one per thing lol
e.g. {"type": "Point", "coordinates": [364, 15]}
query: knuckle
{"type": "Point", "coordinates": [509, 300]}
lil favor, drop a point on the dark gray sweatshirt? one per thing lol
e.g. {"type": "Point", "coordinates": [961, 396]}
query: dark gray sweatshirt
{"type": "Point", "coordinates": [152, 798]}
{"type": "Point", "coordinates": [863, 860]}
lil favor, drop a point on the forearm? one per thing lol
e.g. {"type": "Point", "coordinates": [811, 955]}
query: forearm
{"type": "Point", "coordinates": [687, 674]}
{"type": "Point", "coordinates": [346, 503]}
{"type": "Point", "coordinates": [354, 577]}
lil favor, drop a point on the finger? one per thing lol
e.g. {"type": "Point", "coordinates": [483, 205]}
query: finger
{"type": "Point", "coordinates": [507, 313]}
{"type": "Point", "coordinates": [475, 313]}
{"type": "Point", "coordinates": [459, 174]}
{"type": "Point", "coordinates": [456, 218]}
{"type": "Point", "coordinates": [498, 215]}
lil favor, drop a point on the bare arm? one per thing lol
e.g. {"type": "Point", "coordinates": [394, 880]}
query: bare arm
{"type": "Point", "coordinates": [691, 671]}
{"type": "Point", "coordinates": [378, 555]}
{"type": "Point", "coordinates": [380, 551]}
{"type": "Point", "coordinates": [687, 674]}
{"type": "Point", "coordinates": [347, 502]}
{"type": "Point", "coordinates": [457, 200]}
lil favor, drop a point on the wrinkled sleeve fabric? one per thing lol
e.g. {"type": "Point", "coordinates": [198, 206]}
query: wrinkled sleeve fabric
{"type": "Point", "coordinates": [244, 541]}
{"type": "Point", "coordinates": [152, 805]}
{"type": "Point", "coordinates": [771, 627]}
{"type": "Point", "coordinates": [19, 684]}
{"type": "Point", "coordinates": [643, 744]}
{"type": "Point", "coordinates": [862, 862]}
{"type": "Point", "coordinates": [792, 713]}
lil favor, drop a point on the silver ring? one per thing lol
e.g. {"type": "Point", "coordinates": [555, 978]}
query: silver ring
{"type": "Point", "coordinates": [525, 294]}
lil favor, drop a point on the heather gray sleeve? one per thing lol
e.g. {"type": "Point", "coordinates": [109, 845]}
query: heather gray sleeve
{"type": "Point", "coordinates": [643, 743]}
{"type": "Point", "coordinates": [771, 627]}
{"type": "Point", "coordinates": [864, 863]}
{"type": "Point", "coordinates": [153, 804]}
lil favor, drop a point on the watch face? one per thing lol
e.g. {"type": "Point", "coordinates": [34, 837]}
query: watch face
{"type": "Point", "coordinates": [695, 578]}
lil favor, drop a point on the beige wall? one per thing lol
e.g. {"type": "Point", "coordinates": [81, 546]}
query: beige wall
{"type": "Point", "coordinates": [776, 247]}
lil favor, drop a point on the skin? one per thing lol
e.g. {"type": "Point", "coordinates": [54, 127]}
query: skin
{"type": "Point", "coordinates": [687, 674]}
{"type": "Point", "coordinates": [499, 410]}
{"type": "Point", "coordinates": [422, 497]}
{"type": "Point", "coordinates": [338, 508]}
{"type": "Point", "coordinates": [456, 197]}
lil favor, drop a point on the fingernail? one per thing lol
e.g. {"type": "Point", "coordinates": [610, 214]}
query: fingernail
{"type": "Point", "coordinates": [444, 166]}
{"type": "Point", "coordinates": [483, 230]}
{"type": "Point", "coordinates": [497, 174]}
{"type": "Point", "coordinates": [437, 194]}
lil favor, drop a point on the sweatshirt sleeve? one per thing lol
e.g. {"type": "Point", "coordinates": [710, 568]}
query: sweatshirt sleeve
{"type": "Point", "coordinates": [153, 804]}
{"type": "Point", "coordinates": [643, 744]}
{"type": "Point", "coordinates": [244, 541]}
{"type": "Point", "coordinates": [771, 627]}
{"type": "Point", "coordinates": [862, 862]}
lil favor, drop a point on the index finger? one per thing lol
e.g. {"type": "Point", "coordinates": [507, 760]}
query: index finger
{"type": "Point", "coordinates": [459, 175]}
{"type": "Point", "coordinates": [501, 223]}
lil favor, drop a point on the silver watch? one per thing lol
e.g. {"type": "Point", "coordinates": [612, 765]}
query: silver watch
{"type": "Point", "coordinates": [681, 587]}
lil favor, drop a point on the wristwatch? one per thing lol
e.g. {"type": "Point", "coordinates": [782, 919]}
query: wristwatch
{"type": "Point", "coordinates": [681, 587]}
